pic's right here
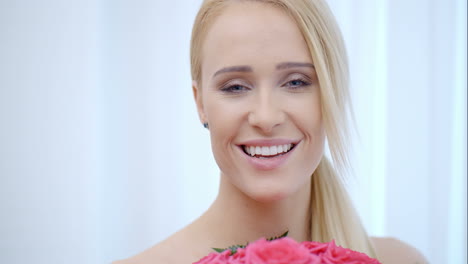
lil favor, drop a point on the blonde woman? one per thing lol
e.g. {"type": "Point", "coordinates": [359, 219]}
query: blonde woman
{"type": "Point", "coordinates": [270, 81]}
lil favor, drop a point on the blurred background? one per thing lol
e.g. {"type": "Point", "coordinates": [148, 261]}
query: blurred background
{"type": "Point", "coordinates": [102, 154]}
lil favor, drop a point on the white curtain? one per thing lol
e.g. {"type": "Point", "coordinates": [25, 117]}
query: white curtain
{"type": "Point", "coordinates": [102, 154]}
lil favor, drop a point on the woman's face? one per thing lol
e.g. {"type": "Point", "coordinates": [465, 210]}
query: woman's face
{"type": "Point", "coordinates": [260, 96]}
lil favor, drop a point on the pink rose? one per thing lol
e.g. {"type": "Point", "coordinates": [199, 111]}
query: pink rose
{"type": "Point", "coordinates": [280, 251]}
{"type": "Point", "coordinates": [239, 257]}
{"type": "Point", "coordinates": [330, 253]}
{"type": "Point", "coordinates": [215, 258]}
{"type": "Point", "coordinates": [288, 251]}
{"type": "Point", "coordinates": [315, 248]}
{"type": "Point", "coordinates": [338, 255]}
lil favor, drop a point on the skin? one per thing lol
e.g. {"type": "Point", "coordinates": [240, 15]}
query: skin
{"type": "Point", "coordinates": [259, 98]}
{"type": "Point", "coordinates": [267, 103]}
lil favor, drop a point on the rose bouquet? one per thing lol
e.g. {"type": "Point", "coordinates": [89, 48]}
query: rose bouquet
{"type": "Point", "coordinates": [285, 250]}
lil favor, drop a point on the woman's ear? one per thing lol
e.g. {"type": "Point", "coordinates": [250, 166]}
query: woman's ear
{"type": "Point", "coordinates": [197, 95]}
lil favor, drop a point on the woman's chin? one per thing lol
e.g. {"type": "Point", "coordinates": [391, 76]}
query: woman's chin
{"type": "Point", "coordinates": [270, 188]}
{"type": "Point", "coordinates": [269, 196]}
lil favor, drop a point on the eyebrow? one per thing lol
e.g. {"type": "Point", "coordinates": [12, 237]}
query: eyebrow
{"type": "Point", "coordinates": [234, 69]}
{"type": "Point", "coordinates": [281, 66]}
{"type": "Point", "coordinates": [287, 65]}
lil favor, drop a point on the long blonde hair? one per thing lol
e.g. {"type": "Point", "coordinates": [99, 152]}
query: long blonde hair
{"type": "Point", "coordinates": [332, 214]}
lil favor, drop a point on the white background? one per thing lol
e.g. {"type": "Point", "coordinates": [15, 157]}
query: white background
{"type": "Point", "coordinates": [102, 154]}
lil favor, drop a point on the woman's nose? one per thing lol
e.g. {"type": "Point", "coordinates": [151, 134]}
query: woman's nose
{"type": "Point", "coordinates": [266, 113]}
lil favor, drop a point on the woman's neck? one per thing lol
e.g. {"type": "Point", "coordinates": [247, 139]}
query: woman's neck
{"type": "Point", "coordinates": [235, 218]}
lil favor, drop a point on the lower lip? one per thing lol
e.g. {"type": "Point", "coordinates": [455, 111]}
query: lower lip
{"type": "Point", "coordinates": [268, 163]}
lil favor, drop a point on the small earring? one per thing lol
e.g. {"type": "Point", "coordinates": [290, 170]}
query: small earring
{"type": "Point", "coordinates": [206, 125]}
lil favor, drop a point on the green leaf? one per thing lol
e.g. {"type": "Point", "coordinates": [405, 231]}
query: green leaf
{"type": "Point", "coordinates": [219, 250]}
{"type": "Point", "coordinates": [278, 237]}
{"type": "Point", "coordinates": [234, 248]}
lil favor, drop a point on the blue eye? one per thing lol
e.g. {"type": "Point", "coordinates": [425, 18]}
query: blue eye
{"type": "Point", "coordinates": [234, 89]}
{"type": "Point", "coordinates": [296, 84]}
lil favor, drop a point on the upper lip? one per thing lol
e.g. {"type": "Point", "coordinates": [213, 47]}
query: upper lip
{"type": "Point", "coordinates": [268, 142]}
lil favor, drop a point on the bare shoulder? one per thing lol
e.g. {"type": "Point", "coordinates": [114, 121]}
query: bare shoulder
{"type": "Point", "coordinates": [167, 251]}
{"type": "Point", "coordinates": [390, 250]}
{"type": "Point", "coordinates": [159, 253]}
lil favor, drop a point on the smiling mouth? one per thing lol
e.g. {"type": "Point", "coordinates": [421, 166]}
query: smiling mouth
{"type": "Point", "coordinates": [266, 152]}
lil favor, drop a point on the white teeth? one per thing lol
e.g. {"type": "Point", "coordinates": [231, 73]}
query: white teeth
{"type": "Point", "coordinates": [258, 150]}
{"type": "Point", "coordinates": [273, 150]}
{"type": "Point", "coordinates": [252, 151]}
{"type": "Point", "coordinates": [267, 151]}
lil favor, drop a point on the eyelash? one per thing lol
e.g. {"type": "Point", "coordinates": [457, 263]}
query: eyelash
{"type": "Point", "coordinates": [232, 88]}
{"type": "Point", "coordinates": [297, 86]}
